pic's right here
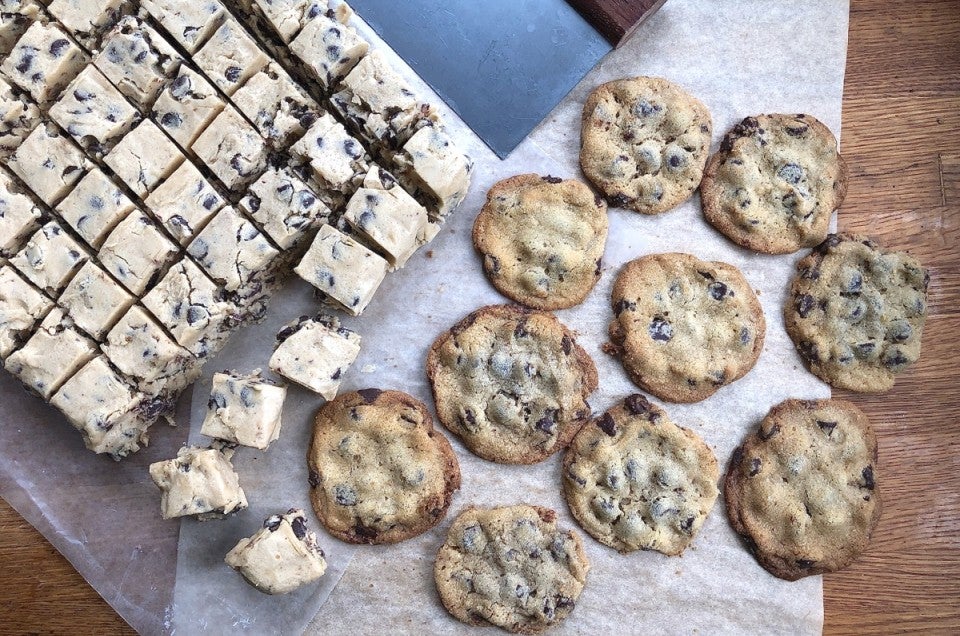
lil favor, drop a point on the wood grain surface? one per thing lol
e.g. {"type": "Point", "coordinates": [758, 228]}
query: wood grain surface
{"type": "Point", "coordinates": [901, 137]}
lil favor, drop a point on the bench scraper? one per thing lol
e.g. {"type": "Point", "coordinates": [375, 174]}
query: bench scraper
{"type": "Point", "coordinates": [503, 65]}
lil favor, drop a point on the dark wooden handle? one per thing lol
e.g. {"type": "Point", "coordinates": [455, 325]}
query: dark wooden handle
{"type": "Point", "coordinates": [616, 19]}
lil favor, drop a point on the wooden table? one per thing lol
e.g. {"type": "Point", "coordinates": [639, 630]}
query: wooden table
{"type": "Point", "coordinates": [901, 137]}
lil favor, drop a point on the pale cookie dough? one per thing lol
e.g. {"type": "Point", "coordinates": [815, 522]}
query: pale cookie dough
{"type": "Point", "coordinates": [95, 207]}
{"type": "Point", "coordinates": [21, 307]}
{"type": "Point", "coordinates": [15, 17]}
{"type": "Point", "coordinates": [144, 158]}
{"type": "Point", "coordinates": [634, 480]}
{"type": "Point", "coordinates": [198, 481]}
{"type": "Point", "coordinates": [137, 60]}
{"type": "Point", "coordinates": [281, 557]}
{"type": "Point", "coordinates": [185, 202]}
{"type": "Point", "coordinates": [230, 57]}
{"type": "Point", "coordinates": [49, 163]}
{"type": "Point", "coordinates": [86, 20]}
{"type": "Point", "coordinates": [189, 22]}
{"type": "Point", "coordinates": [50, 258]}
{"type": "Point", "coordinates": [94, 301]}
{"type": "Point", "coordinates": [434, 170]}
{"type": "Point", "coordinates": [644, 142]}
{"type": "Point", "coordinates": [288, 17]}
{"type": "Point", "coordinates": [511, 568]}
{"type": "Point", "coordinates": [337, 161]}
{"type": "Point", "coordinates": [279, 109]}
{"type": "Point", "coordinates": [137, 253]}
{"type": "Point", "coordinates": [329, 48]}
{"type": "Point", "coordinates": [187, 106]}
{"type": "Point", "coordinates": [379, 471]}
{"type": "Point", "coordinates": [93, 112]}
{"type": "Point", "coordinates": [44, 60]}
{"type": "Point", "coordinates": [683, 327]}
{"type": "Point", "coordinates": [232, 149]}
{"type": "Point", "coordinates": [542, 240]}
{"type": "Point", "coordinates": [19, 216]}
{"type": "Point", "coordinates": [244, 409]}
{"type": "Point", "coordinates": [285, 208]}
{"type": "Point", "coordinates": [18, 117]}
{"type": "Point", "coordinates": [315, 353]}
{"type": "Point", "coordinates": [511, 383]}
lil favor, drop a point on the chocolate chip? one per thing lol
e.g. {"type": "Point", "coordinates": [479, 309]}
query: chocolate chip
{"type": "Point", "coordinates": [607, 425]}
{"type": "Point", "coordinates": [195, 314]}
{"type": "Point", "coordinates": [755, 465]}
{"type": "Point", "coordinates": [299, 527]}
{"type": "Point", "coordinates": [718, 290]}
{"type": "Point", "coordinates": [687, 524]}
{"type": "Point", "coordinates": [314, 479]}
{"type": "Point", "coordinates": [171, 120]}
{"type": "Point", "coordinates": [217, 401]}
{"type": "Point", "coordinates": [578, 480]}
{"type": "Point", "coordinates": [744, 335]}
{"type": "Point", "coordinates": [805, 304]}
{"type": "Point", "coordinates": [468, 420]}
{"type": "Point", "coordinates": [827, 427]}
{"type": "Point", "coordinates": [491, 264]}
{"type": "Point", "coordinates": [351, 148]}
{"type": "Point", "coordinates": [232, 74]}
{"type": "Point", "coordinates": [867, 474]}
{"type": "Point", "coordinates": [369, 396]}
{"type": "Point", "coordinates": [620, 200]}
{"type": "Point", "coordinates": [624, 305]}
{"type": "Point", "coordinates": [520, 331]}
{"type": "Point", "coordinates": [660, 330]}
{"type": "Point", "coordinates": [566, 343]}
{"type": "Point", "coordinates": [895, 359]}
{"type": "Point", "coordinates": [470, 538]}
{"type": "Point", "coordinates": [58, 46]}
{"type": "Point", "coordinates": [768, 433]}
{"type": "Point", "coordinates": [548, 423]}
{"type": "Point", "coordinates": [272, 523]}
{"type": "Point", "coordinates": [551, 179]}
{"type": "Point", "coordinates": [345, 495]}
{"type": "Point", "coordinates": [643, 108]}
{"type": "Point", "coordinates": [246, 396]}
{"type": "Point", "coordinates": [899, 331]}
{"type": "Point", "coordinates": [855, 284]}
{"type": "Point", "coordinates": [637, 404]}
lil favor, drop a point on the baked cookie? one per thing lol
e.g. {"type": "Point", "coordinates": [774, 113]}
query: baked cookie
{"type": "Point", "coordinates": [774, 183]}
{"type": "Point", "coordinates": [379, 472]}
{"type": "Point", "coordinates": [856, 311]}
{"type": "Point", "coordinates": [634, 480]}
{"type": "Point", "coordinates": [542, 239]}
{"type": "Point", "coordinates": [644, 142]}
{"type": "Point", "coordinates": [685, 327]}
{"type": "Point", "coordinates": [802, 490]}
{"type": "Point", "coordinates": [510, 567]}
{"type": "Point", "coordinates": [511, 383]}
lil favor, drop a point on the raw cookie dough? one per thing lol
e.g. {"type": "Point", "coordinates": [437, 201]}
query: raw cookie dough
{"type": "Point", "coordinates": [315, 353]}
{"type": "Point", "coordinates": [49, 163]}
{"type": "Point", "coordinates": [644, 142]}
{"type": "Point", "coordinates": [432, 168]}
{"type": "Point", "coordinates": [21, 307]}
{"type": "Point", "coordinates": [44, 60]}
{"type": "Point", "coordinates": [18, 117]}
{"type": "Point", "coordinates": [187, 106]}
{"type": "Point", "coordinates": [95, 207]}
{"type": "Point", "coordinates": [379, 472]}
{"type": "Point", "coordinates": [138, 61]}
{"type": "Point", "coordinates": [144, 158]}
{"type": "Point", "coordinates": [542, 239]}
{"type": "Point", "coordinates": [279, 109]}
{"type": "Point", "coordinates": [50, 258]}
{"type": "Point", "coordinates": [198, 481]}
{"type": "Point", "coordinates": [185, 202]}
{"type": "Point", "coordinates": [683, 327]}
{"type": "Point", "coordinates": [94, 301]}
{"type": "Point", "coordinates": [285, 208]}
{"type": "Point", "coordinates": [19, 216]}
{"type": "Point", "coordinates": [329, 48]}
{"type": "Point", "coordinates": [244, 409]}
{"type": "Point", "coordinates": [137, 253]}
{"type": "Point", "coordinates": [190, 23]}
{"type": "Point", "coordinates": [230, 57]}
{"type": "Point", "coordinates": [232, 149]}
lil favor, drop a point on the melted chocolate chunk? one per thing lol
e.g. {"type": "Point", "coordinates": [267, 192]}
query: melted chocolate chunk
{"type": "Point", "coordinates": [369, 395]}
{"type": "Point", "coordinates": [660, 330]}
{"type": "Point", "coordinates": [637, 404]}
{"type": "Point", "coordinates": [607, 425]}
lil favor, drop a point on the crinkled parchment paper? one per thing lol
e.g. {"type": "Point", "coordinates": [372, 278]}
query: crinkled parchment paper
{"type": "Point", "coordinates": [740, 58]}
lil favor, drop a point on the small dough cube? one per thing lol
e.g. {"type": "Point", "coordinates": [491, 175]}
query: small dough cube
{"type": "Point", "coordinates": [137, 253]}
{"type": "Point", "coordinates": [18, 117]}
{"type": "Point", "coordinates": [15, 17]}
{"type": "Point", "coordinates": [137, 60]}
{"type": "Point", "coordinates": [140, 348]}
{"type": "Point", "coordinates": [338, 162]}
{"type": "Point", "coordinates": [433, 167]}
{"type": "Point", "coordinates": [185, 202]}
{"type": "Point", "coordinates": [279, 109]}
{"type": "Point", "coordinates": [94, 301]}
{"type": "Point", "coordinates": [21, 307]}
{"type": "Point", "coordinates": [328, 48]}
{"type": "Point", "coordinates": [388, 217]}
{"type": "Point", "coordinates": [315, 353]}
{"type": "Point", "coordinates": [144, 158]}
{"type": "Point", "coordinates": [49, 163]}
{"type": "Point", "coordinates": [189, 23]}
{"type": "Point", "coordinates": [281, 557]}
{"type": "Point", "coordinates": [19, 217]}
{"type": "Point", "coordinates": [95, 207]}
{"type": "Point", "coordinates": [232, 149]}
{"type": "Point", "coordinates": [44, 60]}
{"type": "Point", "coordinates": [52, 355]}
{"type": "Point", "coordinates": [286, 209]}
{"type": "Point", "coordinates": [236, 255]}
{"type": "Point", "coordinates": [93, 112]}
{"type": "Point", "coordinates": [198, 481]}
{"type": "Point", "coordinates": [230, 57]}
{"type": "Point", "coordinates": [50, 258]}
{"type": "Point", "coordinates": [344, 271]}
{"type": "Point", "coordinates": [244, 409]}
{"type": "Point", "coordinates": [86, 19]}
{"type": "Point", "coordinates": [193, 309]}
{"type": "Point", "coordinates": [112, 416]}
{"type": "Point", "coordinates": [287, 17]}
{"type": "Point", "coordinates": [187, 106]}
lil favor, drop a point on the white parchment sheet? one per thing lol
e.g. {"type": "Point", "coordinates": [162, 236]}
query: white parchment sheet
{"type": "Point", "coordinates": [740, 57]}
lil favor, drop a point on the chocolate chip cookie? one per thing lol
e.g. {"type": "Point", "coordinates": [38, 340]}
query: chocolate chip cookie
{"type": "Point", "coordinates": [802, 491]}
{"type": "Point", "coordinates": [683, 327]}
{"type": "Point", "coordinates": [541, 239]}
{"type": "Point", "coordinates": [644, 142]}
{"type": "Point", "coordinates": [774, 183]}
{"type": "Point", "coordinates": [379, 472]}
{"type": "Point", "coordinates": [510, 567]}
{"type": "Point", "coordinates": [634, 480]}
{"type": "Point", "coordinates": [856, 312]}
{"type": "Point", "coordinates": [511, 383]}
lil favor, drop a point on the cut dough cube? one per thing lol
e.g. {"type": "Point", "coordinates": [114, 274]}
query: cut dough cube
{"type": "Point", "coordinates": [328, 48]}
{"type": "Point", "coordinates": [18, 117]}
{"type": "Point", "coordinates": [190, 23]}
{"type": "Point", "coordinates": [185, 202]}
{"type": "Point", "coordinates": [93, 112]}
{"type": "Point", "coordinates": [286, 209]}
{"type": "Point", "coordinates": [52, 355]}
{"type": "Point", "coordinates": [193, 309]}
{"type": "Point", "coordinates": [244, 409]}
{"type": "Point", "coordinates": [281, 557]}
{"type": "Point", "coordinates": [50, 258]}
{"type": "Point", "coordinates": [49, 163]}
{"type": "Point", "coordinates": [344, 271]}
{"type": "Point", "coordinates": [144, 158]}
{"type": "Point", "coordinates": [198, 481]}
{"type": "Point", "coordinates": [389, 218]}
{"type": "Point", "coordinates": [433, 168]}
{"type": "Point", "coordinates": [157, 365]}
{"type": "Point", "coordinates": [230, 57]}
{"type": "Point", "coordinates": [338, 162]}
{"type": "Point", "coordinates": [137, 253]}
{"type": "Point", "coordinates": [315, 353]}
{"type": "Point", "coordinates": [137, 60]}
{"type": "Point", "coordinates": [232, 149]}
{"type": "Point", "coordinates": [95, 207]}
{"type": "Point", "coordinates": [86, 19]}
{"type": "Point", "coordinates": [94, 301]}
{"type": "Point", "coordinates": [187, 106]}
{"type": "Point", "coordinates": [15, 17]}
{"type": "Point", "coordinates": [279, 109]}
{"type": "Point", "coordinates": [287, 17]}
{"type": "Point", "coordinates": [44, 60]}
{"type": "Point", "coordinates": [19, 217]}
{"type": "Point", "coordinates": [22, 306]}
{"type": "Point", "coordinates": [112, 417]}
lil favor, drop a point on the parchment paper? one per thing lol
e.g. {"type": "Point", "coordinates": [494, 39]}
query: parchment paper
{"type": "Point", "coordinates": [740, 57]}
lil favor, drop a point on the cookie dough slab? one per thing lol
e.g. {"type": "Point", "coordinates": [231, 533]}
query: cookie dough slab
{"type": "Point", "coordinates": [144, 158]}
{"type": "Point", "coordinates": [19, 216]}
{"type": "Point", "coordinates": [19, 115]}
{"type": "Point", "coordinates": [138, 61]}
{"type": "Point", "coordinates": [285, 208]}
{"type": "Point", "coordinates": [137, 253]}
{"type": "Point", "coordinates": [94, 207]}
{"type": "Point", "coordinates": [49, 163]}
{"type": "Point", "coordinates": [232, 149]}
{"type": "Point", "coordinates": [187, 106]}
{"type": "Point", "coordinates": [50, 258]}
{"type": "Point", "coordinates": [94, 301]}
{"type": "Point", "coordinates": [44, 60]}
{"type": "Point", "coordinates": [184, 203]}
